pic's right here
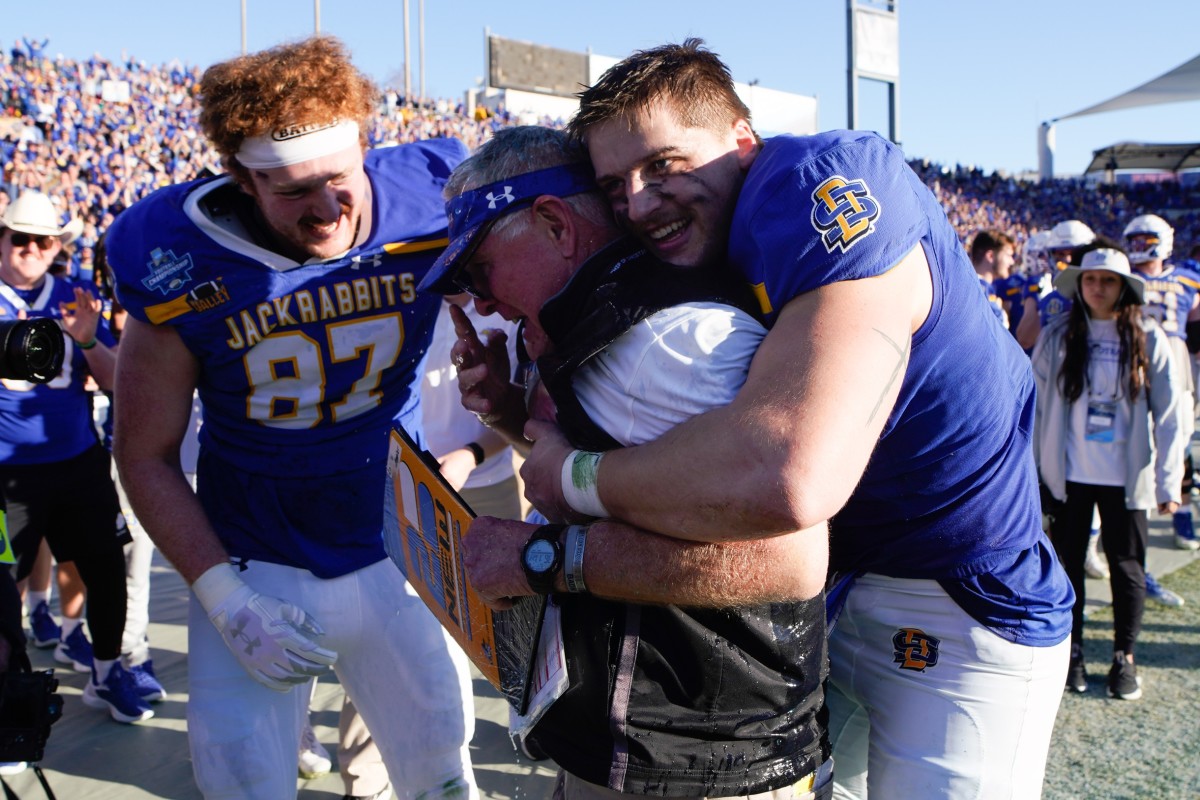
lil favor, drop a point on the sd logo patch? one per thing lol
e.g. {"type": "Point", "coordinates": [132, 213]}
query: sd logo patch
{"type": "Point", "coordinates": [843, 212]}
{"type": "Point", "coordinates": [914, 649]}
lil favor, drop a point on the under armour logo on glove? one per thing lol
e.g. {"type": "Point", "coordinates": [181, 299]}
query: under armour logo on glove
{"type": "Point", "coordinates": [507, 197]}
{"type": "Point", "coordinates": [274, 641]}
{"type": "Point", "coordinates": [238, 633]}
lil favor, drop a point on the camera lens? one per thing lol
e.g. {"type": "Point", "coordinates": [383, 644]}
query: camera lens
{"type": "Point", "coordinates": [33, 350]}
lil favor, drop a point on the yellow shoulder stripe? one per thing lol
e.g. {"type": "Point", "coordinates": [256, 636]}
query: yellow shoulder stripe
{"type": "Point", "coordinates": [399, 248]}
{"type": "Point", "coordinates": [169, 310]}
{"type": "Point", "coordinates": [760, 293]}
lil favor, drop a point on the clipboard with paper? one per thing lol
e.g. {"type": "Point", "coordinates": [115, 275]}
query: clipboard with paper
{"type": "Point", "coordinates": [425, 521]}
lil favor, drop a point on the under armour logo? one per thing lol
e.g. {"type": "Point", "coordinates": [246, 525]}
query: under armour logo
{"type": "Point", "coordinates": [506, 197]}
{"type": "Point", "coordinates": [373, 260]}
{"type": "Point", "coordinates": [238, 632]}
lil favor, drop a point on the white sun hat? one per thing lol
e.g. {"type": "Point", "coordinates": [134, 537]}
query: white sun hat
{"type": "Point", "coordinates": [1108, 260]}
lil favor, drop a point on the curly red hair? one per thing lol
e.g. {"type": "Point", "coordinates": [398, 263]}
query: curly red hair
{"type": "Point", "coordinates": [311, 80]}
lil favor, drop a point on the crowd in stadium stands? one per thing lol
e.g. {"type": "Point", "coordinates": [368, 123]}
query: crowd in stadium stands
{"type": "Point", "coordinates": [96, 156]}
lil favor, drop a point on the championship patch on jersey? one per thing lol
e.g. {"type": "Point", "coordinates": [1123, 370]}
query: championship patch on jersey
{"type": "Point", "coordinates": [914, 649]}
{"type": "Point", "coordinates": [843, 212]}
{"type": "Point", "coordinates": [168, 271]}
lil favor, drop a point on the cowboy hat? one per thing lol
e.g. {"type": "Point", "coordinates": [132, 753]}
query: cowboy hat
{"type": "Point", "coordinates": [33, 213]}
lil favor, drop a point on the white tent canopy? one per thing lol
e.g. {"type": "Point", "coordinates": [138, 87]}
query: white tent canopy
{"type": "Point", "coordinates": [1177, 86]}
{"type": "Point", "coordinates": [1138, 155]}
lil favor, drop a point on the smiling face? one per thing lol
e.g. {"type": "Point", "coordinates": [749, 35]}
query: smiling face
{"type": "Point", "coordinates": [314, 208]}
{"type": "Point", "coordinates": [514, 272]}
{"type": "Point", "coordinates": [674, 187]}
{"type": "Point", "coordinates": [26, 258]}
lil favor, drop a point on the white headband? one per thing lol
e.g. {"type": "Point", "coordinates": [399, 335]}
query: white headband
{"type": "Point", "coordinates": [296, 143]}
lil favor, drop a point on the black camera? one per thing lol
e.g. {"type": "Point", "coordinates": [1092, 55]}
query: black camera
{"type": "Point", "coordinates": [31, 349]}
{"type": "Point", "coordinates": [29, 705]}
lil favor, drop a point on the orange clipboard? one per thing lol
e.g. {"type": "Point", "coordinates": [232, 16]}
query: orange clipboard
{"type": "Point", "coordinates": [425, 521]}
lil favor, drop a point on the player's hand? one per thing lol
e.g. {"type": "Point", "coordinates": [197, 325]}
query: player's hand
{"type": "Point", "coordinates": [492, 557]}
{"type": "Point", "coordinates": [1169, 507]}
{"type": "Point", "coordinates": [484, 370]}
{"type": "Point", "coordinates": [273, 640]}
{"type": "Point", "coordinates": [542, 471]}
{"type": "Point", "coordinates": [81, 318]}
{"type": "Point", "coordinates": [456, 466]}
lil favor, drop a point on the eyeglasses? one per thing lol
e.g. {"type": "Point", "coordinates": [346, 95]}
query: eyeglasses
{"type": "Point", "coordinates": [22, 239]}
{"type": "Point", "coordinates": [465, 282]}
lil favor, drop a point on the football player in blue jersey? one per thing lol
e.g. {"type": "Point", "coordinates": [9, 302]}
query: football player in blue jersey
{"type": "Point", "coordinates": [1035, 264]}
{"type": "Point", "coordinates": [49, 446]}
{"type": "Point", "coordinates": [1061, 249]}
{"type": "Point", "coordinates": [284, 292]}
{"type": "Point", "coordinates": [993, 254]}
{"type": "Point", "coordinates": [1172, 298]}
{"type": "Point", "coordinates": [882, 399]}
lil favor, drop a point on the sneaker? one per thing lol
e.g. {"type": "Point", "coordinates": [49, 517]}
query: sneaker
{"type": "Point", "coordinates": [1094, 565]}
{"type": "Point", "coordinates": [1185, 534]}
{"type": "Point", "coordinates": [13, 767]}
{"type": "Point", "coordinates": [1076, 672]}
{"type": "Point", "coordinates": [1123, 680]}
{"type": "Point", "coordinates": [46, 632]}
{"type": "Point", "coordinates": [146, 682]}
{"type": "Point", "coordinates": [314, 758]}
{"type": "Point", "coordinates": [75, 650]}
{"type": "Point", "coordinates": [118, 694]}
{"type": "Point", "coordinates": [383, 794]}
{"type": "Point", "coordinates": [1160, 594]}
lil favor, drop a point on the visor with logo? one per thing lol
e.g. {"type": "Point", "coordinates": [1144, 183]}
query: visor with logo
{"type": "Point", "coordinates": [472, 214]}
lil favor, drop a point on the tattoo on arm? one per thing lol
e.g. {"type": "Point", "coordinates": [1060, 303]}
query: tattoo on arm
{"type": "Point", "coordinates": [902, 351]}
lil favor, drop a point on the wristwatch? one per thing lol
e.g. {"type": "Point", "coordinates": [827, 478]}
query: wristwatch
{"type": "Point", "coordinates": [542, 558]}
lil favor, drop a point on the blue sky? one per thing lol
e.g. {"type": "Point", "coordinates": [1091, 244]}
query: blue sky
{"type": "Point", "coordinates": [977, 76]}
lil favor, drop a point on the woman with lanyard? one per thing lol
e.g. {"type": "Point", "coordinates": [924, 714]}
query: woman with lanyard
{"type": "Point", "coordinates": [1108, 436]}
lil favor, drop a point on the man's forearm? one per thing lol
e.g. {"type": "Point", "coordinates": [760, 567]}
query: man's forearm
{"type": "Point", "coordinates": [624, 563]}
{"type": "Point", "coordinates": [168, 509]}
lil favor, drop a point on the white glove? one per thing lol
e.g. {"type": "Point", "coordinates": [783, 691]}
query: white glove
{"type": "Point", "coordinates": [272, 639]}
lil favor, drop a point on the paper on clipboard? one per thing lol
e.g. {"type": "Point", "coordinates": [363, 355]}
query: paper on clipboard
{"type": "Point", "coordinates": [424, 523]}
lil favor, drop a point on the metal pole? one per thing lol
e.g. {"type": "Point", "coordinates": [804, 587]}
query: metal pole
{"type": "Point", "coordinates": [317, 17]}
{"type": "Point", "coordinates": [421, 42]}
{"type": "Point", "coordinates": [243, 27]}
{"type": "Point", "coordinates": [407, 71]}
{"type": "Point", "coordinates": [851, 70]}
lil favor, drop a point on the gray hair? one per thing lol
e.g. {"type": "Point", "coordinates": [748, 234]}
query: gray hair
{"type": "Point", "coordinates": [515, 151]}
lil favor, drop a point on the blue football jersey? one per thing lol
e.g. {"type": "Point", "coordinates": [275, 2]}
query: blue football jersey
{"type": "Point", "coordinates": [950, 492]}
{"type": "Point", "coordinates": [1013, 291]}
{"type": "Point", "coordinates": [1053, 306]}
{"type": "Point", "coordinates": [48, 422]}
{"type": "Point", "coordinates": [1169, 298]}
{"type": "Point", "coordinates": [304, 367]}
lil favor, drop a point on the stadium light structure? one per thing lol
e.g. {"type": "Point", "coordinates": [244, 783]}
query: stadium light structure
{"type": "Point", "coordinates": [873, 44]}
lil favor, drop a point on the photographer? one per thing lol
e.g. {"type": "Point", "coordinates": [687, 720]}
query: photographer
{"type": "Point", "coordinates": [48, 442]}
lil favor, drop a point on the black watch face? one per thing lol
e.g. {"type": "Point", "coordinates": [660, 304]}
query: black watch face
{"type": "Point", "coordinates": [539, 555]}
